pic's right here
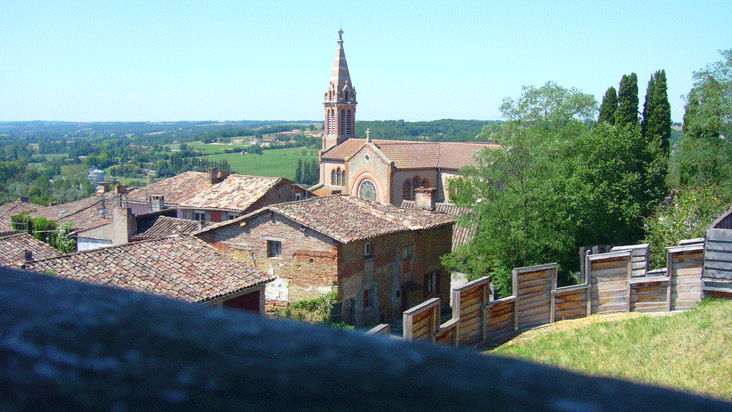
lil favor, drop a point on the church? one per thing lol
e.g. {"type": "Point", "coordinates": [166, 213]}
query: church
{"type": "Point", "coordinates": [384, 171]}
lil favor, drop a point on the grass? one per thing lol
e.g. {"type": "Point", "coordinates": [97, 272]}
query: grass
{"type": "Point", "coordinates": [688, 351]}
{"type": "Point", "coordinates": [272, 163]}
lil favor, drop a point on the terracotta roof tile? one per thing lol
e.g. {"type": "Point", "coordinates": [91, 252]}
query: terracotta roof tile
{"type": "Point", "coordinates": [13, 247]}
{"type": "Point", "coordinates": [415, 155]}
{"type": "Point", "coordinates": [11, 209]}
{"type": "Point", "coordinates": [461, 232]}
{"type": "Point", "coordinates": [165, 226]}
{"type": "Point", "coordinates": [180, 267]}
{"type": "Point", "coordinates": [194, 190]}
{"type": "Point", "coordinates": [84, 213]}
{"type": "Point", "coordinates": [347, 218]}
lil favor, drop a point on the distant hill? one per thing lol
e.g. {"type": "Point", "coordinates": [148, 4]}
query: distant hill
{"type": "Point", "coordinates": [444, 130]}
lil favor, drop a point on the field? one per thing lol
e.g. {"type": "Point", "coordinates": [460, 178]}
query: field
{"type": "Point", "coordinates": [271, 163]}
{"type": "Point", "coordinates": [687, 351]}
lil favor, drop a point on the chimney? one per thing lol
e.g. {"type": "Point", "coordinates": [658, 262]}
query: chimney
{"type": "Point", "coordinates": [24, 199]}
{"type": "Point", "coordinates": [102, 188]}
{"type": "Point", "coordinates": [424, 198]}
{"type": "Point", "coordinates": [223, 174]}
{"type": "Point", "coordinates": [120, 189]}
{"type": "Point", "coordinates": [157, 203]}
{"type": "Point", "coordinates": [124, 225]}
{"type": "Point", "coordinates": [213, 175]}
{"type": "Point", "coordinates": [27, 255]}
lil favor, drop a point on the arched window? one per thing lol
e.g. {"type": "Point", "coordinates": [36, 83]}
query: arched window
{"type": "Point", "coordinates": [334, 178]}
{"type": "Point", "coordinates": [339, 177]}
{"type": "Point", "coordinates": [331, 121]}
{"type": "Point", "coordinates": [415, 183]}
{"type": "Point", "coordinates": [425, 183]}
{"type": "Point", "coordinates": [343, 124]}
{"type": "Point", "coordinates": [407, 190]}
{"type": "Point", "coordinates": [348, 122]}
{"type": "Point", "coordinates": [367, 190]}
{"type": "Point", "coordinates": [343, 178]}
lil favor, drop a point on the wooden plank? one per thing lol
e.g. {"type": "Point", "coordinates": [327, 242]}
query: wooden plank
{"type": "Point", "coordinates": [536, 311]}
{"type": "Point", "coordinates": [472, 293]}
{"type": "Point", "coordinates": [572, 314]}
{"type": "Point", "coordinates": [571, 305]}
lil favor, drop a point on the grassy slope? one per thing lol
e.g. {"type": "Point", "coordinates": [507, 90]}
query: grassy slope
{"type": "Point", "coordinates": [688, 351]}
{"type": "Point", "coordinates": [272, 163]}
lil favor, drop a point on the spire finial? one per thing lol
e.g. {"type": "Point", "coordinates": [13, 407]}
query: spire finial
{"type": "Point", "coordinates": [368, 135]}
{"type": "Point", "coordinates": [340, 35]}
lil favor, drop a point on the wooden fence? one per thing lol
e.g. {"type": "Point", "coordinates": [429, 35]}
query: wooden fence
{"type": "Point", "coordinates": [617, 281]}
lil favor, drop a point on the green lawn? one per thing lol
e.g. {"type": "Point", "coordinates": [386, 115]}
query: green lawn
{"type": "Point", "coordinates": [688, 351]}
{"type": "Point", "coordinates": [272, 163]}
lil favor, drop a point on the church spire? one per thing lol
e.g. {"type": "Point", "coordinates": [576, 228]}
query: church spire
{"type": "Point", "coordinates": [340, 101]}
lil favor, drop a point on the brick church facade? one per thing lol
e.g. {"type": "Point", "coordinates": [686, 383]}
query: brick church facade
{"type": "Point", "coordinates": [386, 171]}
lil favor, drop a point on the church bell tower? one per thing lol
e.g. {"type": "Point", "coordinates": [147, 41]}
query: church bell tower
{"type": "Point", "coordinates": [340, 102]}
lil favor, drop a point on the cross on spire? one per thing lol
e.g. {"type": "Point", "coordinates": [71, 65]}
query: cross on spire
{"type": "Point", "coordinates": [340, 35]}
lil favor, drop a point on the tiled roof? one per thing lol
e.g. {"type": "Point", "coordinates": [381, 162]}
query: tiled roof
{"type": "Point", "coordinates": [461, 232]}
{"type": "Point", "coordinates": [175, 189]}
{"type": "Point", "coordinates": [179, 267]}
{"type": "Point", "coordinates": [194, 189]}
{"type": "Point", "coordinates": [13, 247]}
{"type": "Point", "coordinates": [11, 209]}
{"type": "Point", "coordinates": [236, 192]}
{"type": "Point", "coordinates": [347, 218]}
{"type": "Point", "coordinates": [166, 226]}
{"type": "Point", "coordinates": [415, 155]}
{"type": "Point", "coordinates": [84, 213]}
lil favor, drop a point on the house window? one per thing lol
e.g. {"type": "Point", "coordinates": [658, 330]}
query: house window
{"type": "Point", "coordinates": [334, 178]}
{"type": "Point", "coordinates": [232, 216]}
{"type": "Point", "coordinates": [199, 216]}
{"type": "Point", "coordinates": [415, 183]}
{"type": "Point", "coordinates": [274, 249]}
{"type": "Point", "coordinates": [367, 190]}
{"type": "Point", "coordinates": [368, 249]}
{"type": "Point", "coordinates": [369, 298]}
{"type": "Point", "coordinates": [407, 252]}
{"type": "Point", "coordinates": [425, 183]}
{"type": "Point", "coordinates": [431, 283]}
{"type": "Point", "coordinates": [298, 196]}
{"type": "Point", "coordinates": [407, 190]}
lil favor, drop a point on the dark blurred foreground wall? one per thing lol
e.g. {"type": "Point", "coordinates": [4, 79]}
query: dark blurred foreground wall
{"type": "Point", "coordinates": [73, 346]}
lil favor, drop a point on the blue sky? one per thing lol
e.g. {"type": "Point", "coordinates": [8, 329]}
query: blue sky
{"type": "Point", "coordinates": [227, 60]}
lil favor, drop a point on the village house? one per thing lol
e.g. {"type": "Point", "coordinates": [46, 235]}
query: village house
{"type": "Point", "coordinates": [379, 259]}
{"type": "Point", "coordinates": [215, 196]}
{"type": "Point", "coordinates": [178, 267]}
{"type": "Point", "coordinates": [11, 209]}
{"type": "Point", "coordinates": [387, 171]}
{"type": "Point", "coordinates": [20, 248]}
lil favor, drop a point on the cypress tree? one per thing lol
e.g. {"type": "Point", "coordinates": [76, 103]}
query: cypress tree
{"type": "Point", "coordinates": [659, 124]}
{"type": "Point", "coordinates": [609, 106]}
{"type": "Point", "coordinates": [298, 171]}
{"type": "Point", "coordinates": [648, 106]}
{"type": "Point", "coordinates": [627, 112]}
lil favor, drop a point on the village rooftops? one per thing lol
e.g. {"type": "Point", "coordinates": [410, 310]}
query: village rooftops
{"type": "Point", "coordinates": [165, 226]}
{"type": "Point", "coordinates": [84, 213]}
{"type": "Point", "coordinates": [348, 219]}
{"type": "Point", "coordinates": [179, 267]}
{"type": "Point", "coordinates": [415, 155]}
{"type": "Point", "coordinates": [13, 208]}
{"type": "Point", "coordinates": [13, 249]}
{"type": "Point", "coordinates": [198, 190]}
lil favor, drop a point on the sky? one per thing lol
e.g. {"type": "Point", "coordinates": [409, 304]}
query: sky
{"type": "Point", "coordinates": [271, 60]}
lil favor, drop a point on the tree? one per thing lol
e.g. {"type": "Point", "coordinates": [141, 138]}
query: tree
{"type": "Point", "coordinates": [686, 215]}
{"type": "Point", "coordinates": [549, 107]}
{"type": "Point", "coordinates": [514, 208]}
{"type": "Point", "coordinates": [298, 171]}
{"type": "Point", "coordinates": [608, 106]}
{"type": "Point", "coordinates": [705, 153]}
{"type": "Point", "coordinates": [611, 179]}
{"type": "Point", "coordinates": [64, 241]}
{"type": "Point", "coordinates": [656, 123]}
{"type": "Point", "coordinates": [627, 112]}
